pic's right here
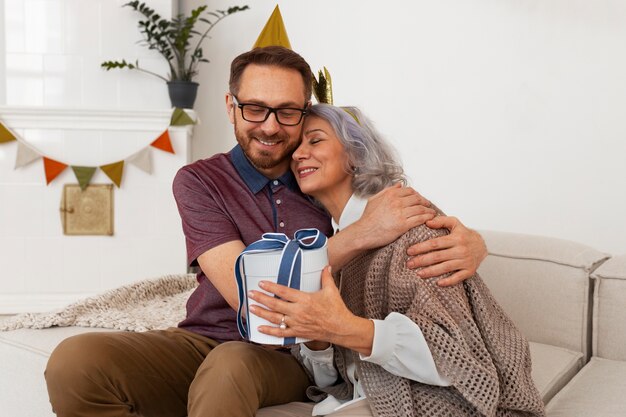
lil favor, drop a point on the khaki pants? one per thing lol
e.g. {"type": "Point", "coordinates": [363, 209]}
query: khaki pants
{"type": "Point", "coordinates": [169, 373]}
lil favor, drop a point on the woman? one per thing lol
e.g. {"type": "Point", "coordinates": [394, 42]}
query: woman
{"type": "Point", "coordinates": [408, 345]}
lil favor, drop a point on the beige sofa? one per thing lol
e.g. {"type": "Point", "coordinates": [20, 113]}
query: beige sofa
{"type": "Point", "coordinates": [567, 298]}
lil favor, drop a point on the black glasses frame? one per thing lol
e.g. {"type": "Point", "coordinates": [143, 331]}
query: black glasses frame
{"type": "Point", "coordinates": [270, 110]}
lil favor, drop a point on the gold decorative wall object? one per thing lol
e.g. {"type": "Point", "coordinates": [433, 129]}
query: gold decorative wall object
{"type": "Point", "coordinates": [89, 211]}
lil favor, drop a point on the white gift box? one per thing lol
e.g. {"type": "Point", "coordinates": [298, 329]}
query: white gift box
{"type": "Point", "coordinates": [264, 266]}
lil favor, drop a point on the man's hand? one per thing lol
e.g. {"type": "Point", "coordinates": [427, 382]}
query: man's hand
{"type": "Point", "coordinates": [387, 216]}
{"type": "Point", "coordinates": [392, 212]}
{"type": "Point", "coordinates": [460, 252]}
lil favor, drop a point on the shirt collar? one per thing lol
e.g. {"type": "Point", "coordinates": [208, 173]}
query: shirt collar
{"type": "Point", "coordinates": [351, 212]}
{"type": "Point", "coordinates": [253, 178]}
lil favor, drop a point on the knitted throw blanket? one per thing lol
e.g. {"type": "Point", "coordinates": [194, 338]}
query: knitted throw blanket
{"type": "Point", "coordinates": [146, 305]}
{"type": "Point", "coordinates": [474, 344]}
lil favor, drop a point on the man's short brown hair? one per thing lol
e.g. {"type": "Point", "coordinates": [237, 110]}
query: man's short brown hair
{"type": "Point", "coordinates": [271, 56]}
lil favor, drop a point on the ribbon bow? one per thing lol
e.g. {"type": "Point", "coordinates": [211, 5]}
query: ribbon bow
{"type": "Point", "coordinates": [289, 270]}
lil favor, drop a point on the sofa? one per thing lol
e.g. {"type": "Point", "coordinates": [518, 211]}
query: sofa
{"type": "Point", "coordinates": [568, 299]}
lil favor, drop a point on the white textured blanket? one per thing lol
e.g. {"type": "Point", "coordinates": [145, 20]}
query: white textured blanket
{"type": "Point", "coordinates": [146, 305]}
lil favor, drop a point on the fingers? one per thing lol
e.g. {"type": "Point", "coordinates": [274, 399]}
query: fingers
{"type": "Point", "coordinates": [276, 331]}
{"type": "Point", "coordinates": [416, 210]}
{"type": "Point", "coordinates": [286, 293]}
{"type": "Point", "coordinates": [434, 244]}
{"type": "Point", "coordinates": [269, 302]}
{"type": "Point", "coordinates": [264, 313]}
{"type": "Point", "coordinates": [412, 197]}
{"type": "Point", "coordinates": [455, 278]}
{"type": "Point", "coordinates": [418, 215]}
{"type": "Point", "coordinates": [441, 222]}
{"type": "Point", "coordinates": [328, 282]}
{"type": "Point", "coordinates": [441, 268]}
{"type": "Point", "coordinates": [403, 192]}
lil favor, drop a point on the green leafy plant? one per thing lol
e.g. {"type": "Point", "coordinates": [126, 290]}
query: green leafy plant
{"type": "Point", "coordinates": [172, 39]}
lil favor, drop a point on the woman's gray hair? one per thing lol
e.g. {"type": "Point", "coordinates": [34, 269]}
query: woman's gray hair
{"type": "Point", "coordinates": [372, 160]}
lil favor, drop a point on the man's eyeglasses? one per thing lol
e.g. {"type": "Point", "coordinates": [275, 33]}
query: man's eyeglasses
{"type": "Point", "coordinates": [256, 113]}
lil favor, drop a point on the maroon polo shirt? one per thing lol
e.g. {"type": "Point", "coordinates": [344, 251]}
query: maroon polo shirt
{"type": "Point", "coordinates": [224, 198]}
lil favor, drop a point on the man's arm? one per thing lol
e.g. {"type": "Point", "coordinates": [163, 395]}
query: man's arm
{"type": "Point", "coordinates": [391, 213]}
{"type": "Point", "coordinates": [388, 215]}
{"type": "Point", "coordinates": [218, 264]}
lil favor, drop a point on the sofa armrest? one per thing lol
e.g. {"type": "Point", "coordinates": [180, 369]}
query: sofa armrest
{"type": "Point", "coordinates": [544, 285]}
{"type": "Point", "coordinates": [609, 312]}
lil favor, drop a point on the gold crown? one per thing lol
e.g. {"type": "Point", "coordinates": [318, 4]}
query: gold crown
{"type": "Point", "coordinates": [323, 87]}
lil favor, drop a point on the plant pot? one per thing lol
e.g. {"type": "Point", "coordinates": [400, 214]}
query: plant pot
{"type": "Point", "coordinates": [182, 93]}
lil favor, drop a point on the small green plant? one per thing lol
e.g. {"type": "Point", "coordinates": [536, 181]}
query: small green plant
{"type": "Point", "coordinates": [172, 39]}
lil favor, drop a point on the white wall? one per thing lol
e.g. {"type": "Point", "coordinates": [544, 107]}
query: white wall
{"type": "Point", "coordinates": [61, 102]}
{"type": "Point", "coordinates": [54, 48]}
{"type": "Point", "coordinates": [507, 114]}
{"type": "Point", "coordinates": [40, 268]}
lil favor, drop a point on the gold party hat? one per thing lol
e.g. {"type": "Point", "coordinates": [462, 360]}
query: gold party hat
{"type": "Point", "coordinates": [274, 32]}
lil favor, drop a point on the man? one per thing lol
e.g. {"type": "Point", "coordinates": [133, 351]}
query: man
{"type": "Point", "coordinates": [226, 202]}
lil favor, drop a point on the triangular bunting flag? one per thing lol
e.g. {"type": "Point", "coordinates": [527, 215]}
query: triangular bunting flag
{"type": "Point", "coordinates": [180, 118]}
{"type": "Point", "coordinates": [83, 175]}
{"type": "Point", "coordinates": [142, 160]}
{"type": "Point", "coordinates": [52, 168]}
{"type": "Point", "coordinates": [25, 155]}
{"type": "Point", "coordinates": [5, 135]}
{"type": "Point", "coordinates": [114, 171]}
{"type": "Point", "coordinates": [274, 32]}
{"type": "Point", "coordinates": [163, 142]}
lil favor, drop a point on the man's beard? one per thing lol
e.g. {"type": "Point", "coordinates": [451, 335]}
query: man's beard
{"type": "Point", "coordinates": [264, 159]}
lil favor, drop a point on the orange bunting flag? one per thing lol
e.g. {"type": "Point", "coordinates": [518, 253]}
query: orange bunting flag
{"type": "Point", "coordinates": [52, 168]}
{"type": "Point", "coordinates": [163, 142]}
{"type": "Point", "coordinates": [5, 135]}
{"type": "Point", "coordinates": [115, 172]}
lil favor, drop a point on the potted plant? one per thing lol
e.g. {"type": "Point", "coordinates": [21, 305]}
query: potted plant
{"type": "Point", "coordinates": [173, 40]}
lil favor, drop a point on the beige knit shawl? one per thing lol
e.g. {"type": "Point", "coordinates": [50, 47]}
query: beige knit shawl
{"type": "Point", "coordinates": [474, 344]}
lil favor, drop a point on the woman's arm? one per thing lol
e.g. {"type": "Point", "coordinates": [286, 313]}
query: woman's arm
{"type": "Point", "coordinates": [400, 348]}
{"type": "Point", "coordinates": [395, 343]}
{"type": "Point", "coordinates": [320, 364]}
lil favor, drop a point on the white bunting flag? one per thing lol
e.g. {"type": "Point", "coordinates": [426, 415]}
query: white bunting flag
{"type": "Point", "coordinates": [25, 155]}
{"type": "Point", "coordinates": [142, 160]}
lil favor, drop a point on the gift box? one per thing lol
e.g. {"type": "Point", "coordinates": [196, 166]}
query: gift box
{"type": "Point", "coordinates": [296, 263]}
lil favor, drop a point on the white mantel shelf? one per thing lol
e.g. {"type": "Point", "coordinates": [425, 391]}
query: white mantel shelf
{"type": "Point", "coordinates": [86, 119]}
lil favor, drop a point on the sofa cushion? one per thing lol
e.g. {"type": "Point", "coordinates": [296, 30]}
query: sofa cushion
{"type": "Point", "coordinates": [295, 409]}
{"type": "Point", "coordinates": [24, 354]}
{"type": "Point", "coordinates": [543, 280]}
{"type": "Point", "coordinates": [553, 367]}
{"type": "Point", "coordinates": [609, 310]}
{"type": "Point", "coordinates": [597, 390]}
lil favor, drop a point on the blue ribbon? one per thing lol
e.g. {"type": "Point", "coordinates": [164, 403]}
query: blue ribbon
{"type": "Point", "coordinates": [289, 271]}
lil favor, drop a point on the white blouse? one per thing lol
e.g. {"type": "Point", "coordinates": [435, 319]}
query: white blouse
{"type": "Point", "coordinates": [399, 346]}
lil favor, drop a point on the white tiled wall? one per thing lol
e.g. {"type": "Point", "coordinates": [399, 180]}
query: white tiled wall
{"type": "Point", "coordinates": [40, 268]}
{"type": "Point", "coordinates": [53, 50]}
{"type": "Point", "coordinates": [56, 97]}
